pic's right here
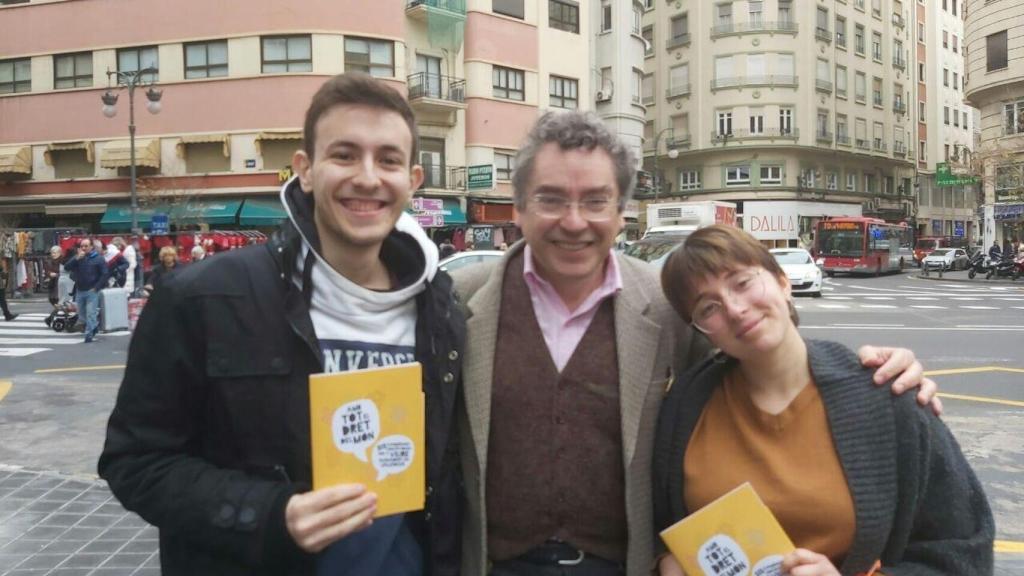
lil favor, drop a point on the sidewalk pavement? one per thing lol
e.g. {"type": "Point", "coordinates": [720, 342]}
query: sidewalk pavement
{"type": "Point", "coordinates": [56, 525]}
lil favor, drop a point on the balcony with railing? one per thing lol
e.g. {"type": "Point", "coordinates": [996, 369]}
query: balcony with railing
{"type": "Point", "coordinates": [440, 177]}
{"type": "Point", "coordinates": [436, 97]}
{"type": "Point", "coordinates": [648, 99]}
{"type": "Point", "coordinates": [783, 27]}
{"type": "Point", "coordinates": [863, 144]}
{"type": "Point", "coordinates": [899, 107]}
{"type": "Point", "coordinates": [823, 85]}
{"type": "Point", "coordinates": [843, 139]}
{"type": "Point", "coordinates": [420, 9]}
{"type": "Point", "coordinates": [879, 145]}
{"type": "Point", "coordinates": [681, 141]}
{"type": "Point", "coordinates": [876, 99]}
{"type": "Point", "coordinates": [823, 34]}
{"type": "Point", "coordinates": [899, 62]}
{"type": "Point", "coordinates": [899, 149]}
{"type": "Point", "coordinates": [897, 20]}
{"type": "Point", "coordinates": [822, 135]}
{"type": "Point", "coordinates": [677, 41]}
{"type": "Point", "coordinates": [677, 90]}
{"type": "Point", "coordinates": [784, 80]}
{"type": "Point", "coordinates": [767, 133]}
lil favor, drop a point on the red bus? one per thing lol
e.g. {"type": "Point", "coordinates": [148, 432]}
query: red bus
{"type": "Point", "coordinates": [862, 246]}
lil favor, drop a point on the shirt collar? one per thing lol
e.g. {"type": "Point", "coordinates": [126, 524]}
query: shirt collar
{"type": "Point", "coordinates": [612, 283]}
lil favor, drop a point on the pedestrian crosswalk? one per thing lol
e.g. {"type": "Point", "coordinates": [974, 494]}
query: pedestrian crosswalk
{"type": "Point", "coordinates": [924, 296]}
{"type": "Point", "coordinates": [29, 334]}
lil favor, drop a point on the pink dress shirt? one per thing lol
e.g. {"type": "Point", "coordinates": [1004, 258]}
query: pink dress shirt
{"type": "Point", "coordinates": [563, 329]}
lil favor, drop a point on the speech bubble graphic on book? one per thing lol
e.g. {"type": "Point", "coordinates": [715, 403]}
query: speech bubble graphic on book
{"type": "Point", "coordinates": [392, 455]}
{"type": "Point", "coordinates": [723, 555]}
{"type": "Point", "coordinates": [356, 426]}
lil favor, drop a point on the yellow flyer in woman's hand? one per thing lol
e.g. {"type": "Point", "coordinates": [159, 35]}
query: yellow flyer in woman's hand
{"type": "Point", "coordinates": [736, 535]}
{"type": "Point", "coordinates": [367, 427]}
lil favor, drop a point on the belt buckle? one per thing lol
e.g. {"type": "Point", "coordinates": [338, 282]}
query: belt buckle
{"type": "Point", "coordinates": [574, 562]}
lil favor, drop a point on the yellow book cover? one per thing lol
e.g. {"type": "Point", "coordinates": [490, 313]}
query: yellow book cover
{"type": "Point", "coordinates": [736, 535]}
{"type": "Point", "coordinates": [367, 427]}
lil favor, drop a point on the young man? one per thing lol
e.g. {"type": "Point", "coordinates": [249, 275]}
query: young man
{"type": "Point", "coordinates": [209, 439]}
{"type": "Point", "coordinates": [571, 348]}
{"type": "Point", "coordinates": [91, 274]}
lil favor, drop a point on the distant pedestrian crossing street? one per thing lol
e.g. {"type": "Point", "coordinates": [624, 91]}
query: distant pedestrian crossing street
{"type": "Point", "coordinates": [29, 335]}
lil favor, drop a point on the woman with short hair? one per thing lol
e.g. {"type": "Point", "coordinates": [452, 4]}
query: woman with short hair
{"type": "Point", "coordinates": [168, 262]}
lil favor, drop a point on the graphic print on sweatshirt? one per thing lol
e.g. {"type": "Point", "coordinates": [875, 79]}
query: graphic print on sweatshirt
{"type": "Point", "coordinates": [345, 355]}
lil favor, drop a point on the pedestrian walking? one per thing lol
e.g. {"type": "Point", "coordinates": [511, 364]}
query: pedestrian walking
{"type": "Point", "coordinates": [446, 249]}
{"type": "Point", "coordinates": [210, 436]}
{"type": "Point", "coordinates": [130, 257]}
{"type": "Point", "coordinates": [893, 494]}
{"type": "Point", "coordinates": [8, 315]}
{"type": "Point", "coordinates": [117, 266]}
{"type": "Point", "coordinates": [168, 258]}
{"type": "Point", "coordinates": [51, 268]}
{"type": "Point", "coordinates": [570, 348]}
{"type": "Point", "coordinates": [90, 272]}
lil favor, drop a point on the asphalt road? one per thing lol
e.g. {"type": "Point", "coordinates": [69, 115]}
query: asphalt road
{"type": "Point", "coordinates": [56, 394]}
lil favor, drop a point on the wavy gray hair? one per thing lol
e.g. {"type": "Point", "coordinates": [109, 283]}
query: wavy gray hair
{"type": "Point", "coordinates": [571, 130]}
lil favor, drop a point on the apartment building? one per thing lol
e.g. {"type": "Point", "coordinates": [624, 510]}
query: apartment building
{"type": "Point", "coordinates": [995, 85]}
{"type": "Point", "coordinates": [235, 84]}
{"type": "Point", "coordinates": [945, 121]}
{"type": "Point", "coordinates": [794, 111]}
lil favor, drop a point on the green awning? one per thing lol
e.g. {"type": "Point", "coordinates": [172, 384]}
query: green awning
{"type": "Point", "coordinates": [206, 212]}
{"type": "Point", "coordinates": [453, 213]}
{"type": "Point", "coordinates": [119, 216]}
{"type": "Point", "coordinates": [262, 212]}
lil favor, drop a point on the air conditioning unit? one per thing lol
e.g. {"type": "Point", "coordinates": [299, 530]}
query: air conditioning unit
{"type": "Point", "coordinates": [604, 95]}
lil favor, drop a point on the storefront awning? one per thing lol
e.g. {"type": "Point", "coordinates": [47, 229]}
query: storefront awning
{"type": "Point", "coordinates": [67, 146]}
{"type": "Point", "coordinates": [16, 160]}
{"type": "Point", "coordinates": [204, 139]}
{"type": "Point", "coordinates": [277, 135]}
{"type": "Point", "coordinates": [118, 153]}
{"type": "Point", "coordinates": [206, 212]}
{"type": "Point", "coordinates": [261, 212]}
{"type": "Point", "coordinates": [119, 216]}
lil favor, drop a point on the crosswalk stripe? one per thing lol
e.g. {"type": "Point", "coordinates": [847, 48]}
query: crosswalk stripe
{"type": "Point", "coordinates": [44, 341]}
{"type": "Point", "coordinates": [1010, 299]}
{"type": "Point", "coordinates": [839, 298]}
{"type": "Point", "coordinates": [930, 307]}
{"type": "Point", "coordinates": [836, 306]}
{"type": "Point", "coordinates": [21, 352]}
{"type": "Point", "coordinates": [877, 306]}
{"type": "Point", "coordinates": [969, 299]}
{"type": "Point", "coordinates": [980, 307]}
{"type": "Point", "coordinates": [878, 298]}
{"type": "Point", "coordinates": [922, 298]}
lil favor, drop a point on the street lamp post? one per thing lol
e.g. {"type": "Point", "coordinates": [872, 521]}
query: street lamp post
{"type": "Point", "coordinates": [672, 153]}
{"type": "Point", "coordinates": [130, 80]}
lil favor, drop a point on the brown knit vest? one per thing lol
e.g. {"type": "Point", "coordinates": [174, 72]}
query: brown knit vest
{"type": "Point", "coordinates": [555, 452]}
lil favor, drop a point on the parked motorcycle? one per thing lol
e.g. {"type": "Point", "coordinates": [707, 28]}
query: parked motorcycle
{"type": "Point", "coordinates": [1010, 266]}
{"type": "Point", "coordinates": [978, 264]}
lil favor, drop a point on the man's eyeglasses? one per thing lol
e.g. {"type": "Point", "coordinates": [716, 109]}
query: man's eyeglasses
{"type": "Point", "coordinates": [709, 314]}
{"type": "Point", "coordinates": [592, 209]}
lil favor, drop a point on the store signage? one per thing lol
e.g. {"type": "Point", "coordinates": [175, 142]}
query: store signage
{"type": "Point", "coordinates": [428, 205]}
{"type": "Point", "coordinates": [786, 220]}
{"type": "Point", "coordinates": [284, 174]}
{"type": "Point", "coordinates": [480, 177]}
{"type": "Point", "coordinates": [159, 225]}
{"type": "Point", "coordinates": [958, 228]}
{"type": "Point", "coordinates": [250, 163]}
{"type": "Point", "coordinates": [945, 177]}
{"type": "Point", "coordinates": [429, 220]}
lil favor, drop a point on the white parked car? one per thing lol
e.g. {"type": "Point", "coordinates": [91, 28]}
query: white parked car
{"type": "Point", "coordinates": [946, 259]}
{"type": "Point", "coordinates": [804, 275]}
{"type": "Point", "coordinates": [456, 261]}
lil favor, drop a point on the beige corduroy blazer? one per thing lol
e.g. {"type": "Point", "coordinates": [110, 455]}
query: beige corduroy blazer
{"type": "Point", "coordinates": [650, 338]}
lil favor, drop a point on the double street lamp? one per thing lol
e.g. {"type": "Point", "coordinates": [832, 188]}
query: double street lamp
{"type": "Point", "coordinates": [131, 80]}
{"type": "Point", "coordinates": [672, 153]}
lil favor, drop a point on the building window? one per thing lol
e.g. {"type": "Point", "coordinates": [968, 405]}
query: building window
{"type": "Point", "coordinates": [373, 57]}
{"type": "Point", "coordinates": [562, 92]}
{"type": "Point", "coordinates": [920, 71]}
{"type": "Point", "coordinates": [841, 81]}
{"type": "Point", "coordinates": [724, 15]}
{"type": "Point", "coordinates": [638, 86]}
{"type": "Point", "coordinates": [689, 180]}
{"type": "Point", "coordinates": [725, 123]}
{"type": "Point", "coordinates": [1013, 113]}
{"type": "Point", "coordinates": [964, 123]}
{"type": "Point", "coordinates": [513, 8]}
{"type": "Point", "coordinates": [945, 148]}
{"type": "Point", "coordinates": [823, 124]}
{"type": "Point", "coordinates": [648, 36]}
{"type": "Point", "coordinates": [876, 46]}
{"type": "Point", "coordinates": [785, 11]}
{"type": "Point", "coordinates": [840, 32]}
{"type": "Point", "coordinates": [876, 91]}
{"type": "Point", "coordinates": [956, 81]}
{"type": "Point", "coordinates": [920, 32]}
{"type": "Point", "coordinates": [564, 16]}
{"type": "Point", "coordinates": [945, 77]}
{"type": "Point", "coordinates": [995, 51]}
{"type": "Point", "coordinates": [638, 16]}
{"type": "Point", "coordinates": [206, 59]}
{"type": "Point", "coordinates": [287, 54]}
{"type": "Point", "coordinates": [851, 182]}
{"type": "Point", "coordinates": [922, 112]}
{"type": "Point", "coordinates": [945, 39]}
{"type": "Point", "coordinates": [72, 70]}
{"type": "Point", "coordinates": [755, 13]}
{"type": "Point", "coordinates": [504, 165]}
{"type": "Point", "coordinates": [945, 115]}
{"type": "Point", "coordinates": [956, 43]}
{"type": "Point", "coordinates": [860, 87]}
{"type": "Point", "coordinates": [15, 75]}
{"type": "Point", "coordinates": [737, 176]}
{"type": "Point", "coordinates": [135, 59]}
{"type": "Point", "coordinates": [756, 121]}
{"type": "Point", "coordinates": [831, 181]}
{"type": "Point", "coordinates": [923, 156]}
{"type": "Point", "coordinates": [508, 83]}
{"type": "Point", "coordinates": [606, 15]}
{"type": "Point", "coordinates": [956, 118]}
{"type": "Point", "coordinates": [785, 120]}
{"type": "Point", "coordinates": [858, 39]}
{"type": "Point", "coordinates": [842, 129]}
{"type": "Point", "coordinates": [808, 178]}
{"type": "Point", "coordinates": [771, 175]}
{"type": "Point", "coordinates": [679, 79]}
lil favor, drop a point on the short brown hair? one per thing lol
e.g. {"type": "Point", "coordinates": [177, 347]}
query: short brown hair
{"type": "Point", "coordinates": [356, 89]}
{"type": "Point", "coordinates": [709, 252]}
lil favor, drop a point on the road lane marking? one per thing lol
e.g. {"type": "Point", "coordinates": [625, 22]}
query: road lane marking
{"type": "Point", "coordinates": [929, 307]}
{"type": "Point", "coordinates": [41, 331]}
{"type": "Point", "coordinates": [833, 306]}
{"type": "Point", "coordinates": [1014, 403]}
{"type": "Point", "coordinates": [1010, 299]}
{"type": "Point", "coordinates": [874, 306]}
{"type": "Point", "coordinates": [5, 387]}
{"type": "Point", "coordinates": [21, 352]}
{"type": "Point", "coordinates": [45, 341]}
{"type": "Point", "coordinates": [873, 325]}
{"type": "Point", "coordinates": [989, 326]}
{"type": "Point", "coordinates": [948, 371]}
{"type": "Point", "coordinates": [915, 328]}
{"type": "Point", "coordinates": [878, 298]}
{"type": "Point", "coordinates": [922, 298]}
{"type": "Point", "coordinates": [80, 369]}
{"type": "Point", "coordinates": [979, 308]}
{"type": "Point", "coordinates": [830, 297]}
{"type": "Point", "coordinates": [967, 299]}
{"type": "Point", "coordinates": [1008, 546]}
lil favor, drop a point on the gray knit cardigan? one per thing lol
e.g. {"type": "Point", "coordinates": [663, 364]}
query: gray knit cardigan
{"type": "Point", "coordinates": [919, 507]}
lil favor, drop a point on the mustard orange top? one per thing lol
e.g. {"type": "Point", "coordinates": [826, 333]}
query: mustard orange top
{"type": "Point", "coordinates": [789, 458]}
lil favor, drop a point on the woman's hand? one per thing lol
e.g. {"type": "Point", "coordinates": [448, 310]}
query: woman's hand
{"type": "Point", "coordinates": [669, 566]}
{"type": "Point", "coordinates": [802, 562]}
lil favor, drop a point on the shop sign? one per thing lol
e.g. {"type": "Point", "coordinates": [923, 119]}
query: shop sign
{"type": "Point", "coordinates": [945, 177]}
{"type": "Point", "coordinates": [483, 238]}
{"type": "Point", "coordinates": [480, 177]}
{"type": "Point", "coordinates": [284, 174]}
{"type": "Point", "coordinates": [250, 162]}
{"type": "Point", "coordinates": [429, 220]}
{"type": "Point", "coordinates": [781, 220]}
{"type": "Point", "coordinates": [958, 228]}
{"type": "Point", "coordinates": [159, 225]}
{"type": "Point", "coordinates": [428, 205]}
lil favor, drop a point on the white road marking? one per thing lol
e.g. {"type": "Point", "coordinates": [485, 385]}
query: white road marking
{"type": "Point", "coordinates": [44, 331]}
{"type": "Point", "coordinates": [44, 341]}
{"type": "Point", "coordinates": [876, 306]}
{"type": "Point", "coordinates": [979, 308]}
{"type": "Point", "coordinates": [930, 307]}
{"type": "Point", "coordinates": [20, 352]}
{"type": "Point", "coordinates": [987, 326]}
{"type": "Point", "coordinates": [968, 299]}
{"type": "Point", "coordinates": [872, 325]}
{"type": "Point", "coordinates": [922, 298]}
{"type": "Point", "coordinates": [878, 298]}
{"type": "Point", "coordinates": [830, 297]}
{"type": "Point", "coordinates": [915, 328]}
{"type": "Point", "coordinates": [835, 306]}
{"type": "Point", "coordinates": [1010, 299]}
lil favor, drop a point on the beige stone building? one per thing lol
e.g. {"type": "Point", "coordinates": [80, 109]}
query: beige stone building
{"type": "Point", "coordinates": [995, 84]}
{"type": "Point", "coordinates": [792, 109]}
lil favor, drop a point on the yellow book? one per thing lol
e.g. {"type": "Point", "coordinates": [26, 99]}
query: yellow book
{"type": "Point", "coordinates": [367, 427]}
{"type": "Point", "coordinates": [736, 535]}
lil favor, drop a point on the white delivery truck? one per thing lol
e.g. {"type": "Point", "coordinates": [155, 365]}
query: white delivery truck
{"type": "Point", "coordinates": [683, 218]}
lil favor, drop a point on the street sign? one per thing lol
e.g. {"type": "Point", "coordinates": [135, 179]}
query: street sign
{"type": "Point", "coordinates": [159, 225]}
{"type": "Point", "coordinates": [480, 177]}
{"type": "Point", "coordinates": [945, 177]}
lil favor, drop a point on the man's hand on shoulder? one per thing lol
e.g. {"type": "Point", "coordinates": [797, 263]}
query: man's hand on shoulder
{"type": "Point", "coordinates": [901, 362]}
{"type": "Point", "coordinates": [317, 519]}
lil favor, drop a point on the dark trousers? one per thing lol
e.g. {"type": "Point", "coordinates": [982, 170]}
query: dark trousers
{"type": "Point", "coordinates": [3, 304]}
{"type": "Point", "coordinates": [557, 559]}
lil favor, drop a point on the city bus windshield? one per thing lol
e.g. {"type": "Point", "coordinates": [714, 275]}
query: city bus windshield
{"type": "Point", "coordinates": [841, 242]}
